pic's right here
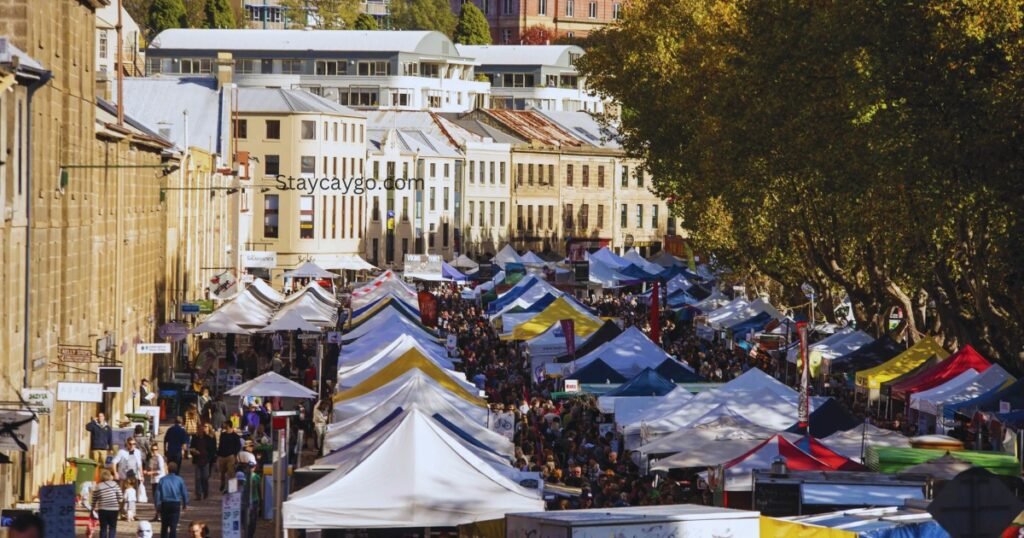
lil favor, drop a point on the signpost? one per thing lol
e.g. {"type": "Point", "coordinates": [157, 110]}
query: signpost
{"type": "Point", "coordinates": [152, 348]}
{"type": "Point", "coordinates": [74, 354]}
{"type": "Point", "coordinates": [572, 385]}
{"type": "Point", "coordinates": [40, 401]}
{"type": "Point", "coordinates": [79, 392]}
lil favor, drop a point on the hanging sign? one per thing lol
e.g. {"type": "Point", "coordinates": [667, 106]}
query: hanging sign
{"type": "Point", "coordinates": [39, 401]}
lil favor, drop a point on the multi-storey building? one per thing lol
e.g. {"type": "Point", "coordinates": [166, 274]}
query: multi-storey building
{"type": "Point", "coordinates": [132, 47]}
{"type": "Point", "coordinates": [302, 155]}
{"type": "Point", "coordinates": [508, 19]}
{"type": "Point", "coordinates": [271, 15]}
{"type": "Point", "coordinates": [541, 77]}
{"type": "Point", "coordinates": [407, 70]}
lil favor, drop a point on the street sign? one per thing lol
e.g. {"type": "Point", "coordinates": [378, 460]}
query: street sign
{"type": "Point", "coordinates": [572, 385]}
{"type": "Point", "coordinates": [205, 306]}
{"type": "Point", "coordinates": [975, 503]}
{"type": "Point", "coordinates": [152, 348]}
{"type": "Point", "coordinates": [189, 308]}
{"type": "Point", "coordinates": [74, 354]}
{"type": "Point", "coordinates": [18, 430]}
{"type": "Point", "coordinates": [173, 331]}
{"type": "Point", "coordinates": [39, 400]}
{"type": "Point", "coordinates": [79, 392]}
{"type": "Point", "coordinates": [57, 509]}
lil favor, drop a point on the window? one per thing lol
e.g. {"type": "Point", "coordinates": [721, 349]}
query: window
{"type": "Point", "coordinates": [373, 69]}
{"type": "Point", "coordinates": [540, 174]}
{"type": "Point", "coordinates": [501, 167]}
{"type": "Point", "coordinates": [639, 216]}
{"type": "Point", "coordinates": [471, 204]}
{"type": "Point", "coordinates": [246, 67]}
{"type": "Point", "coordinates": [529, 174]}
{"type": "Point", "coordinates": [331, 68]}
{"type": "Point", "coordinates": [308, 130]}
{"type": "Point", "coordinates": [567, 215]}
{"type": "Point", "coordinates": [506, 33]}
{"type": "Point", "coordinates": [433, 196]}
{"type": "Point", "coordinates": [506, 7]}
{"type": "Point", "coordinates": [472, 171]}
{"type": "Point", "coordinates": [434, 100]}
{"type": "Point", "coordinates": [568, 175]}
{"type": "Point", "coordinates": [592, 10]}
{"type": "Point", "coordinates": [242, 129]}
{"type": "Point", "coordinates": [623, 217]}
{"type": "Point", "coordinates": [481, 214]}
{"type": "Point", "coordinates": [540, 217]}
{"type": "Point", "coordinates": [600, 176]}
{"type": "Point", "coordinates": [103, 44]}
{"type": "Point", "coordinates": [273, 129]}
{"type": "Point", "coordinates": [570, 8]}
{"type": "Point", "coordinates": [569, 81]}
{"type": "Point", "coordinates": [616, 11]}
{"type": "Point", "coordinates": [639, 178]}
{"type": "Point", "coordinates": [481, 170]}
{"type": "Point", "coordinates": [445, 201]}
{"type": "Point", "coordinates": [433, 169]}
{"type": "Point", "coordinates": [375, 211]}
{"type": "Point", "coordinates": [586, 175]}
{"type": "Point", "coordinates": [291, 67]}
{"type": "Point", "coordinates": [654, 216]}
{"type": "Point", "coordinates": [584, 216]}
{"type": "Point", "coordinates": [625, 176]}
{"type": "Point", "coordinates": [501, 214]}
{"type": "Point", "coordinates": [430, 70]}
{"type": "Point", "coordinates": [360, 96]}
{"type": "Point", "coordinates": [306, 217]}
{"type": "Point", "coordinates": [444, 234]}
{"type": "Point", "coordinates": [542, 7]}
{"type": "Point", "coordinates": [491, 172]}
{"type": "Point", "coordinates": [194, 66]}
{"type": "Point", "coordinates": [551, 215]}
{"type": "Point", "coordinates": [154, 66]}
{"type": "Point", "coordinates": [308, 164]}
{"type": "Point", "coordinates": [529, 218]}
{"type": "Point", "coordinates": [430, 235]}
{"type": "Point", "coordinates": [519, 174]}
{"type": "Point", "coordinates": [551, 81]}
{"type": "Point", "coordinates": [411, 69]}
{"type": "Point", "coordinates": [670, 227]}
{"type": "Point", "coordinates": [517, 80]}
{"type": "Point", "coordinates": [519, 217]}
{"type": "Point", "coordinates": [492, 214]}
{"type": "Point", "coordinates": [551, 174]}
{"type": "Point", "coordinates": [270, 213]}
{"type": "Point", "coordinates": [272, 166]}
{"type": "Point", "coordinates": [405, 209]}
{"type": "Point", "coordinates": [485, 6]}
{"type": "Point", "coordinates": [600, 215]}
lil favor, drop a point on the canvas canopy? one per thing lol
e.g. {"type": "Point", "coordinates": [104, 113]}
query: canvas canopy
{"type": "Point", "coordinates": [244, 310]}
{"type": "Point", "coordinates": [646, 384]}
{"type": "Point", "coordinates": [261, 287]}
{"type": "Point", "coordinates": [585, 323]}
{"type": "Point", "coordinates": [840, 343]}
{"type": "Point", "coordinates": [355, 351]}
{"type": "Point", "coordinates": [737, 471]}
{"type": "Point", "coordinates": [597, 371]}
{"type": "Point", "coordinates": [634, 257]}
{"type": "Point", "coordinates": [725, 432]}
{"type": "Point", "coordinates": [628, 409]}
{"type": "Point", "coordinates": [506, 256]}
{"type": "Point", "coordinates": [350, 262]}
{"type": "Point", "coordinates": [272, 385]}
{"type": "Point", "coordinates": [465, 262]}
{"type": "Point", "coordinates": [309, 270]}
{"type": "Point", "coordinates": [368, 310]}
{"type": "Point", "coordinates": [423, 455]}
{"type": "Point", "coordinates": [290, 321]}
{"type": "Point", "coordinates": [384, 318]}
{"type": "Point", "coordinates": [935, 395]}
{"type": "Point", "coordinates": [990, 381]}
{"type": "Point", "coordinates": [608, 331]}
{"type": "Point", "coordinates": [868, 356]}
{"type": "Point", "coordinates": [411, 360]}
{"type": "Point", "coordinates": [531, 258]}
{"type": "Point", "coordinates": [414, 386]}
{"type": "Point", "coordinates": [546, 346]}
{"type": "Point", "coordinates": [450, 273]}
{"type": "Point", "coordinates": [628, 353]}
{"type": "Point", "coordinates": [665, 259]}
{"type": "Point", "coordinates": [386, 282]}
{"type": "Point", "coordinates": [952, 366]}
{"type": "Point", "coordinates": [351, 374]}
{"type": "Point", "coordinates": [850, 442]}
{"type": "Point", "coordinates": [740, 310]}
{"type": "Point", "coordinates": [219, 325]}
{"type": "Point", "coordinates": [312, 307]}
{"type": "Point", "coordinates": [677, 372]}
{"type": "Point", "coordinates": [920, 352]}
{"type": "Point", "coordinates": [886, 522]}
{"type": "Point", "coordinates": [827, 419]}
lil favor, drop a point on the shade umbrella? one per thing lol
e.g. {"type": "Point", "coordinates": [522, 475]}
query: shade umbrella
{"type": "Point", "coordinates": [271, 385]}
{"type": "Point", "coordinates": [310, 270]}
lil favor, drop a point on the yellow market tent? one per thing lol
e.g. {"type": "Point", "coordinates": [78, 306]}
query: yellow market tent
{"type": "Point", "coordinates": [780, 528]}
{"type": "Point", "coordinates": [872, 378]}
{"type": "Point", "coordinates": [585, 324]}
{"type": "Point", "coordinates": [410, 360]}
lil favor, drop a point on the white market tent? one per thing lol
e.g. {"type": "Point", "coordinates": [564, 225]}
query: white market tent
{"type": "Point", "coordinates": [549, 344]}
{"type": "Point", "coordinates": [290, 321]}
{"type": "Point", "coordinates": [530, 258]}
{"type": "Point", "coordinates": [440, 484]}
{"type": "Point", "coordinates": [506, 256]}
{"type": "Point", "coordinates": [271, 385]}
{"type": "Point", "coordinates": [464, 262]}
{"type": "Point", "coordinates": [711, 443]}
{"type": "Point", "coordinates": [606, 257]}
{"type": "Point", "coordinates": [850, 443]}
{"type": "Point", "coordinates": [406, 389]}
{"type": "Point", "coordinates": [361, 349]}
{"type": "Point", "coordinates": [386, 283]}
{"type": "Point", "coordinates": [739, 310]}
{"type": "Point", "coordinates": [634, 257]}
{"type": "Point", "coordinates": [313, 304]}
{"type": "Point", "coordinates": [351, 374]}
{"type": "Point", "coordinates": [219, 325]}
{"type": "Point", "coordinates": [628, 353]}
{"type": "Point", "coordinates": [842, 342]}
{"type": "Point", "coordinates": [629, 410]}
{"type": "Point", "coordinates": [994, 376]}
{"type": "Point", "coordinates": [309, 270]}
{"type": "Point", "coordinates": [263, 288]}
{"type": "Point", "coordinates": [712, 302]}
{"type": "Point", "coordinates": [351, 262]}
{"type": "Point", "coordinates": [678, 282]}
{"type": "Point", "coordinates": [386, 318]}
{"type": "Point", "coordinates": [933, 397]}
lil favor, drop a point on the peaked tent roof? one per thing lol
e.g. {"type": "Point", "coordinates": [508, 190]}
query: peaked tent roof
{"type": "Point", "coordinates": [676, 372]}
{"type": "Point", "coordinates": [608, 331]}
{"type": "Point", "coordinates": [597, 372]}
{"type": "Point", "coordinates": [386, 316]}
{"type": "Point", "coordinates": [920, 352]}
{"type": "Point", "coordinates": [961, 361]}
{"type": "Point", "coordinates": [646, 383]}
{"type": "Point", "coordinates": [414, 386]}
{"type": "Point", "coordinates": [935, 395]}
{"type": "Point", "coordinates": [421, 452]}
{"type": "Point", "coordinates": [531, 258]}
{"type": "Point", "coordinates": [850, 442]}
{"type": "Point", "coordinates": [585, 323]}
{"type": "Point", "coordinates": [451, 273]}
{"type": "Point", "coordinates": [359, 349]}
{"type": "Point", "coordinates": [219, 325]}
{"type": "Point", "coordinates": [350, 374]}
{"type": "Point", "coordinates": [828, 456]}
{"type": "Point", "coordinates": [868, 356]}
{"type": "Point", "coordinates": [827, 419]}
{"type": "Point", "coordinates": [464, 262]}
{"type": "Point", "coordinates": [290, 321]}
{"type": "Point", "coordinates": [737, 470]}
{"type": "Point", "coordinates": [386, 282]}
{"type": "Point", "coordinates": [665, 259]}
{"type": "Point", "coordinates": [506, 256]}
{"type": "Point", "coordinates": [636, 259]}
{"type": "Point", "coordinates": [628, 353]}
{"type": "Point", "coordinates": [720, 423]}
{"type": "Point", "coordinates": [842, 342]}
{"type": "Point", "coordinates": [266, 290]}
{"type": "Point", "coordinates": [991, 380]}
{"type": "Point", "coordinates": [411, 360]}
{"type": "Point", "coordinates": [272, 384]}
{"type": "Point", "coordinates": [309, 270]}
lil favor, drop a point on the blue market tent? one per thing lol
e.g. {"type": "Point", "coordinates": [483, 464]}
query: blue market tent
{"type": "Point", "coordinates": [511, 295]}
{"type": "Point", "coordinates": [830, 417]}
{"type": "Point", "coordinates": [989, 401]}
{"type": "Point", "coordinates": [392, 302]}
{"type": "Point", "coordinates": [607, 332]}
{"type": "Point", "coordinates": [597, 372]}
{"type": "Point", "coordinates": [698, 292]}
{"type": "Point", "coordinates": [756, 323]}
{"type": "Point", "coordinates": [868, 356]}
{"type": "Point", "coordinates": [677, 373]}
{"type": "Point", "coordinates": [451, 273]}
{"type": "Point", "coordinates": [646, 383]}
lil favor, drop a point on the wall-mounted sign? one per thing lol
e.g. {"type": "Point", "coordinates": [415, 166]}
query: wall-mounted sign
{"type": "Point", "coordinates": [152, 348]}
{"type": "Point", "coordinates": [260, 259]}
{"type": "Point", "coordinates": [79, 392]}
{"type": "Point", "coordinates": [74, 354]}
{"type": "Point", "coordinates": [18, 430]}
{"type": "Point", "coordinates": [223, 285]}
{"type": "Point", "coordinates": [39, 400]}
{"type": "Point", "coordinates": [189, 308]}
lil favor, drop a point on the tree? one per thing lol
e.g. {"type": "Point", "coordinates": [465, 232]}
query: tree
{"type": "Point", "coordinates": [166, 14]}
{"type": "Point", "coordinates": [423, 15]}
{"type": "Point", "coordinates": [321, 14]}
{"type": "Point", "coordinates": [537, 34]}
{"type": "Point", "coordinates": [365, 22]}
{"type": "Point", "coordinates": [472, 28]}
{"type": "Point", "coordinates": [219, 14]}
{"type": "Point", "coordinates": [866, 146]}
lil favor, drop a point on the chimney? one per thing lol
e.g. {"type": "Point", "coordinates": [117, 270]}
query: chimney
{"type": "Point", "coordinates": [225, 68]}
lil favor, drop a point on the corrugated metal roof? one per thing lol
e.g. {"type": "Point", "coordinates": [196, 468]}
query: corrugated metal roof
{"type": "Point", "coordinates": [554, 55]}
{"type": "Point", "coordinates": [304, 40]}
{"type": "Point", "coordinates": [535, 127]}
{"type": "Point", "coordinates": [410, 141]}
{"type": "Point", "coordinates": [160, 104]}
{"type": "Point", "coordinates": [481, 129]}
{"type": "Point", "coordinates": [285, 101]}
{"type": "Point", "coordinates": [585, 127]}
{"type": "Point", "coordinates": [422, 120]}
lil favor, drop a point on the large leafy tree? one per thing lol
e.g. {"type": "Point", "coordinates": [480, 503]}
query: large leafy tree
{"type": "Point", "coordinates": [868, 146]}
{"type": "Point", "coordinates": [423, 15]}
{"type": "Point", "coordinates": [166, 14]}
{"type": "Point", "coordinates": [321, 14]}
{"type": "Point", "coordinates": [537, 34]}
{"type": "Point", "coordinates": [219, 14]}
{"type": "Point", "coordinates": [365, 22]}
{"type": "Point", "coordinates": [472, 28]}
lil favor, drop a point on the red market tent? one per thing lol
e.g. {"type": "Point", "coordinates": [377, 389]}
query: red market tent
{"type": "Point", "coordinates": [939, 373]}
{"type": "Point", "coordinates": [737, 471]}
{"type": "Point", "coordinates": [828, 456]}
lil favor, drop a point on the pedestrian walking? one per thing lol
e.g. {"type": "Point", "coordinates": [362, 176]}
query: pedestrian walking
{"type": "Point", "coordinates": [204, 453]}
{"type": "Point", "coordinates": [227, 452]}
{"type": "Point", "coordinates": [127, 463]}
{"type": "Point", "coordinates": [131, 498]}
{"type": "Point", "coordinates": [172, 499]}
{"type": "Point", "coordinates": [100, 438]}
{"type": "Point", "coordinates": [216, 412]}
{"type": "Point", "coordinates": [106, 502]}
{"type": "Point", "coordinates": [198, 529]}
{"type": "Point", "coordinates": [253, 508]}
{"type": "Point", "coordinates": [202, 402]}
{"type": "Point", "coordinates": [175, 440]}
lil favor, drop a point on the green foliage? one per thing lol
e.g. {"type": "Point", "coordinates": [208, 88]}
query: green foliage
{"type": "Point", "coordinates": [869, 146]}
{"type": "Point", "coordinates": [219, 14]}
{"type": "Point", "coordinates": [365, 22]}
{"type": "Point", "coordinates": [321, 14]}
{"type": "Point", "coordinates": [166, 14]}
{"type": "Point", "coordinates": [472, 28]}
{"type": "Point", "coordinates": [423, 15]}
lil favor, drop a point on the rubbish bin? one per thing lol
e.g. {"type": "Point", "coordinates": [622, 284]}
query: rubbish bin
{"type": "Point", "coordinates": [85, 471]}
{"type": "Point", "coordinates": [170, 403]}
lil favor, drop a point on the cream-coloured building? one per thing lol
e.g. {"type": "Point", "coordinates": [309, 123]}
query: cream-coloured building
{"type": "Point", "coordinates": [303, 186]}
{"type": "Point", "coordinates": [133, 47]}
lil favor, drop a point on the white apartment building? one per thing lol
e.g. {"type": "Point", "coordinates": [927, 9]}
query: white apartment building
{"type": "Point", "coordinates": [292, 147]}
{"type": "Point", "coordinates": [406, 70]}
{"type": "Point", "coordinates": [132, 48]}
{"type": "Point", "coordinates": [542, 77]}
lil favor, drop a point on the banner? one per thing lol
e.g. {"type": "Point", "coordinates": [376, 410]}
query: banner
{"type": "Point", "coordinates": [428, 308]}
{"type": "Point", "coordinates": [804, 409]}
{"type": "Point", "coordinates": [569, 330]}
{"type": "Point", "coordinates": [655, 320]}
{"type": "Point", "coordinates": [223, 285]}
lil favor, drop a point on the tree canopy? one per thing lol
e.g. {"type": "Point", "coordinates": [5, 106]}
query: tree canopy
{"type": "Point", "coordinates": [423, 15]}
{"type": "Point", "coordinates": [321, 14]}
{"type": "Point", "coordinates": [165, 14]}
{"type": "Point", "coordinates": [365, 22]}
{"type": "Point", "coordinates": [472, 28]}
{"type": "Point", "coordinates": [219, 14]}
{"type": "Point", "coordinates": [871, 147]}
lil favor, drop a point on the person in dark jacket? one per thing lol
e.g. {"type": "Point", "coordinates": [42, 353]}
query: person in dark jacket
{"type": "Point", "coordinates": [227, 454]}
{"type": "Point", "coordinates": [216, 412]}
{"type": "Point", "coordinates": [175, 441]}
{"type": "Point", "coordinates": [204, 453]}
{"type": "Point", "coordinates": [100, 438]}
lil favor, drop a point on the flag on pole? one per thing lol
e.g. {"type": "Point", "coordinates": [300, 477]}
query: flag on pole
{"type": "Point", "coordinates": [656, 314]}
{"type": "Point", "coordinates": [569, 330]}
{"type": "Point", "coordinates": [804, 409]}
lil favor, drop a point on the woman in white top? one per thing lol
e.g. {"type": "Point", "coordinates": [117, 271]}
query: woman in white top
{"type": "Point", "coordinates": [157, 470]}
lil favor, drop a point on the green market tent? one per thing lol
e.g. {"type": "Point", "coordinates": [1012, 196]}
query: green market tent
{"type": "Point", "coordinates": [893, 460]}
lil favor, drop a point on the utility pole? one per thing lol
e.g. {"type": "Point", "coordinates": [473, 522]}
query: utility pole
{"type": "Point", "coordinates": [120, 66]}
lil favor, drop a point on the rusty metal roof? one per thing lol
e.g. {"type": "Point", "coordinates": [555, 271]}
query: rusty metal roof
{"type": "Point", "coordinates": [535, 127]}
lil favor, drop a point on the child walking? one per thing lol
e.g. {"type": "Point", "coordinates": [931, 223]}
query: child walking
{"type": "Point", "coordinates": [130, 498]}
